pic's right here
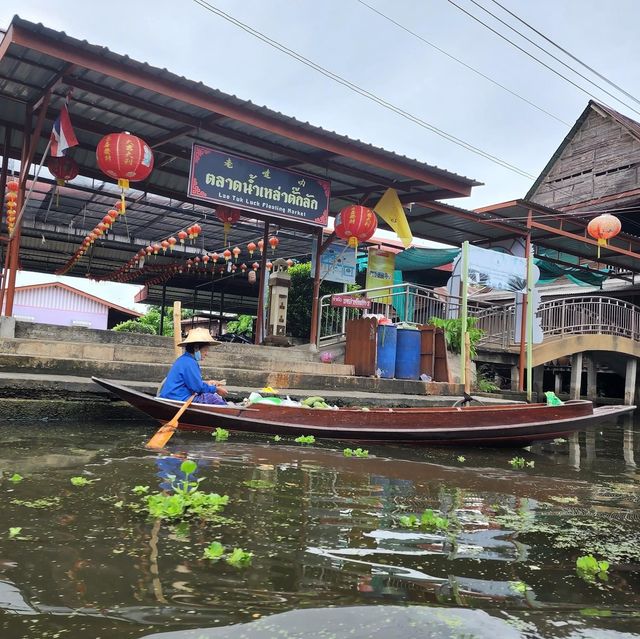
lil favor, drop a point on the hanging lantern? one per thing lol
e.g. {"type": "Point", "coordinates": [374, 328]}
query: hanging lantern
{"type": "Point", "coordinates": [355, 224]}
{"type": "Point", "coordinates": [165, 245]}
{"type": "Point", "coordinates": [243, 268]}
{"type": "Point", "coordinates": [260, 246]}
{"type": "Point", "coordinates": [290, 263]}
{"type": "Point", "coordinates": [189, 264]}
{"type": "Point", "coordinates": [227, 216]}
{"type": "Point", "coordinates": [125, 158]}
{"type": "Point", "coordinates": [102, 227]}
{"type": "Point", "coordinates": [273, 243]}
{"type": "Point", "coordinates": [251, 247]}
{"type": "Point", "coordinates": [149, 250]}
{"type": "Point", "coordinates": [255, 266]}
{"type": "Point", "coordinates": [13, 186]}
{"type": "Point", "coordinates": [119, 207]}
{"type": "Point", "coordinates": [236, 251]}
{"type": "Point", "coordinates": [156, 248]}
{"type": "Point", "coordinates": [197, 229]}
{"type": "Point", "coordinates": [251, 277]}
{"type": "Point", "coordinates": [226, 255]}
{"type": "Point", "coordinates": [62, 168]}
{"type": "Point", "coordinates": [215, 257]}
{"type": "Point", "coordinates": [182, 236]}
{"type": "Point", "coordinates": [172, 242]}
{"type": "Point", "coordinates": [269, 266]}
{"type": "Point", "coordinates": [205, 259]}
{"type": "Point", "coordinates": [107, 221]}
{"type": "Point", "coordinates": [603, 228]}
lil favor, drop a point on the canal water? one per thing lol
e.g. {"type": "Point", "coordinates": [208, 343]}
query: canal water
{"type": "Point", "coordinates": [404, 543]}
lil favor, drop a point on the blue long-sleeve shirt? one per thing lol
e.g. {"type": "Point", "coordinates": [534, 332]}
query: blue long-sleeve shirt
{"type": "Point", "coordinates": [185, 379]}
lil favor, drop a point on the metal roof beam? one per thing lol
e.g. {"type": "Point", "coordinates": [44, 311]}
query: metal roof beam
{"type": "Point", "coordinates": [168, 86]}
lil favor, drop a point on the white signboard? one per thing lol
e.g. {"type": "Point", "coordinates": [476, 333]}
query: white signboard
{"type": "Point", "coordinates": [498, 270]}
{"type": "Point", "coordinates": [337, 263]}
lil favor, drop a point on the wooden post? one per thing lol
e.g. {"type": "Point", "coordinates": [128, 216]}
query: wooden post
{"type": "Point", "coordinates": [177, 328]}
{"type": "Point", "coordinates": [315, 301]}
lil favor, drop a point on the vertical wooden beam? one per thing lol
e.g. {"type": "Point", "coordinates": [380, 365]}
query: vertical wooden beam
{"type": "Point", "coordinates": [259, 336]}
{"type": "Point", "coordinates": [315, 309]}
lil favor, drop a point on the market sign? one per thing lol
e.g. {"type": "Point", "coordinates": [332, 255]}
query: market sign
{"type": "Point", "coordinates": [337, 263]}
{"type": "Point", "coordinates": [347, 301]}
{"type": "Point", "coordinates": [254, 186]}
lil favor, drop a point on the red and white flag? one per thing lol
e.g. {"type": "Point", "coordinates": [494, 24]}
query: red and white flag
{"type": "Point", "coordinates": [62, 134]}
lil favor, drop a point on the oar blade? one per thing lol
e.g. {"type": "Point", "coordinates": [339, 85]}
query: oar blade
{"type": "Point", "coordinates": [165, 432]}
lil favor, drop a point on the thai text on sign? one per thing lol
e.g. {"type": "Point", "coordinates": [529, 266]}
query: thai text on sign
{"type": "Point", "coordinates": [254, 186]}
{"type": "Point", "coordinates": [346, 301]}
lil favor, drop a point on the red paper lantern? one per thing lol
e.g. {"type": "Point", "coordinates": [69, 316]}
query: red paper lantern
{"type": "Point", "coordinates": [355, 224]}
{"type": "Point", "coordinates": [125, 158]}
{"type": "Point", "coordinates": [227, 216]}
{"type": "Point", "coordinates": [251, 247]}
{"type": "Point", "coordinates": [269, 266]}
{"type": "Point", "coordinates": [172, 242]}
{"type": "Point", "coordinates": [273, 242]}
{"type": "Point", "coordinates": [182, 236]}
{"type": "Point", "coordinates": [255, 266]}
{"type": "Point", "coordinates": [226, 255]}
{"type": "Point", "coordinates": [236, 251]}
{"type": "Point", "coordinates": [62, 168]}
{"type": "Point", "coordinates": [603, 228]}
{"type": "Point", "coordinates": [260, 246]}
{"type": "Point", "coordinates": [165, 245]}
{"type": "Point", "coordinates": [13, 186]}
{"type": "Point", "coordinates": [215, 257]}
{"type": "Point", "coordinates": [289, 263]}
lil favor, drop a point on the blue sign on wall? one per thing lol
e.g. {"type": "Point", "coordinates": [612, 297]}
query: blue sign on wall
{"type": "Point", "coordinates": [253, 186]}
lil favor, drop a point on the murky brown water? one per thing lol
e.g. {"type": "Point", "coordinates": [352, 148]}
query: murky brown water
{"type": "Point", "coordinates": [330, 557]}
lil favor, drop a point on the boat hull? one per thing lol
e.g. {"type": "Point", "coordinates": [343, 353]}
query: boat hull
{"type": "Point", "coordinates": [510, 424]}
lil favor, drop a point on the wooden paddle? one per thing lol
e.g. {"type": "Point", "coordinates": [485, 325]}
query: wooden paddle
{"type": "Point", "coordinates": [165, 432]}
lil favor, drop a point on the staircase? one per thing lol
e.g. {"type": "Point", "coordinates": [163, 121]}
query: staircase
{"type": "Point", "coordinates": [60, 360]}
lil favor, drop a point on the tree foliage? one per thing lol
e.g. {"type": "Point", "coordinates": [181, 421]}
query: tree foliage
{"type": "Point", "coordinates": [300, 301]}
{"type": "Point", "coordinates": [149, 323]}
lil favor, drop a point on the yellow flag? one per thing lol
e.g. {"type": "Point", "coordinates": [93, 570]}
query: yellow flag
{"type": "Point", "coordinates": [391, 211]}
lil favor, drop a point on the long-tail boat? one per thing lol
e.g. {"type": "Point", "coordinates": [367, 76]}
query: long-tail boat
{"type": "Point", "coordinates": [515, 424]}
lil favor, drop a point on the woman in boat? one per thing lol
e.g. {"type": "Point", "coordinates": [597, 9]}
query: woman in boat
{"type": "Point", "coordinates": [185, 378]}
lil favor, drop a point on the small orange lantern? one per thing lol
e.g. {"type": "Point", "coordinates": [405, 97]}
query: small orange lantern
{"type": "Point", "coordinates": [182, 236]}
{"type": "Point", "coordinates": [251, 247]}
{"type": "Point", "coordinates": [273, 243]}
{"type": "Point", "coordinates": [236, 251]}
{"type": "Point", "coordinates": [226, 255]}
{"type": "Point", "coordinates": [165, 245]}
{"type": "Point", "coordinates": [260, 246]}
{"type": "Point", "coordinates": [255, 266]}
{"type": "Point", "coordinates": [172, 242]}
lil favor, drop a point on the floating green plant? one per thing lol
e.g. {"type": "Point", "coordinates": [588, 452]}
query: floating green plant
{"type": "Point", "coordinates": [43, 502]}
{"type": "Point", "coordinates": [428, 520]}
{"type": "Point", "coordinates": [239, 558]}
{"type": "Point", "coordinates": [81, 481]}
{"type": "Point", "coordinates": [221, 434]}
{"type": "Point", "coordinates": [140, 490]}
{"type": "Point", "coordinates": [588, 567]}
{"type": "Point", "coordinates": [14, 531]}
{"type": "Point", "coordinates": [519, 587]}
{"type": "Point", "coordinates": [214, 551]}
{"type": "Point", "coordinates": [461, 459]}
{"type": "Point", "coordinates": [305, 439]}
{"type": "Point", "coordinates": [355, 452]}
{"type": "Point", "coordinates": [15, 478]}
{"type": "Point", "coordinates": [520, 462]}
{"type": "Point", "coordinates": [276, 438]}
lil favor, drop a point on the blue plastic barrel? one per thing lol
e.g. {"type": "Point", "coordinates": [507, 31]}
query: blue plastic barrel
{"type": "Point", "coordinates": [386, 351]}
{"type": "Point", "coordinates": [408, 354]}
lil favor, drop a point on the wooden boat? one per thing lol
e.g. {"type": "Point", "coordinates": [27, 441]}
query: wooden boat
{"type": "Point", "coordinates": [503, 424]}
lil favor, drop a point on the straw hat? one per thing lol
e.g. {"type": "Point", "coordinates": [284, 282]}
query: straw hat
{"type": "Point", "coordinates": [198, 336]}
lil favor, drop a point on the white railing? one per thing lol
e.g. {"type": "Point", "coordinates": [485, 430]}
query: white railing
{"type": "Point", "coordinates": [408, 303]}
{"type": "Point", "coordinates": [566, 316]}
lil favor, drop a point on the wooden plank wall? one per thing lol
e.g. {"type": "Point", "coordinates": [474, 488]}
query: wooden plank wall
{"type": "Point", "coordinates": [602, 159]}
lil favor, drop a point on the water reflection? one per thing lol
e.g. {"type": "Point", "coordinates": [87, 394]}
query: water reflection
{"type": "Point", "coordinates": [327, 543]}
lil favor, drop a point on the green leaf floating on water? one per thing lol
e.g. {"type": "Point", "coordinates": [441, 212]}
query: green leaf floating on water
{"type": "Point", "coordinates": [14, 532]}
{"type": "Point", "coordinates": [259, 484]}
{"type": "Point", "coordinates": [239, 558]}
{"type": "Point", "coordinates": [588, 567]}
{"type": "Point", "coordinates": [221, 434]}
{"type": "Point", "coordinates": [81, 481]}
{"type": "Point", "coordinates": [188, 466]}
{"type": "Point", "coordinates": [15, 478]}
{"type": "Point", "coordinates": [214, 551]}
{"type": "Point", "coordinates": [305, 439]}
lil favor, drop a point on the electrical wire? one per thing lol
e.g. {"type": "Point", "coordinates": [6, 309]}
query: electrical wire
{"type": "Point", "coordinates": [567, 53]}
{"type": "Point", "coordinates": [533, 57]}
{"type": "Point", "coordinates": [464, 64]}
{"type": "Point", "coordinates": [363, 92]}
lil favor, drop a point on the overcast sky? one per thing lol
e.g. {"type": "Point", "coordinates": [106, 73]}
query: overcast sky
{"type": "Point", "coordinates": [349, 39]}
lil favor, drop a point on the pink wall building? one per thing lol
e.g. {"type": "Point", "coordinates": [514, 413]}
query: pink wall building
{"type": "Point", "coordinates": [57, 303]}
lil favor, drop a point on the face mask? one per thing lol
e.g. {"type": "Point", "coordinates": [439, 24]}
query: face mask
{"type": "Point", "coordinates": [198, 356]}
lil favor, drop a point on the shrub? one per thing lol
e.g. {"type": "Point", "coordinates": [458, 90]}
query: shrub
{"type": "Point", "coordinates": [134, 326]}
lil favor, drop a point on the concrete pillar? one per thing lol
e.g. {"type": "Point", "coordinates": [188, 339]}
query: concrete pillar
{"type": "Point", "coordinates": [630, 381]}
{"type": "Point", "coordinates": [538, 382]}
{"type": "Point", "coordinates": [576, 376]}
{"type": "Point", "coordinates": [592, 378]}
{"type": "Point", "coordinates": [515, 378]}
{"type": "Point", "coordinates": [557, 387]}
{"type": "Point", "coordinates": [7, 327]}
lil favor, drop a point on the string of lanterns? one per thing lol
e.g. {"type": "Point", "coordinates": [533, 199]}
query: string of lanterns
{"type": "Point", "coordinates": [11, 204]}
